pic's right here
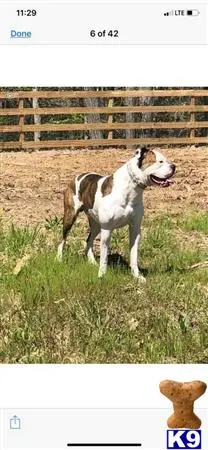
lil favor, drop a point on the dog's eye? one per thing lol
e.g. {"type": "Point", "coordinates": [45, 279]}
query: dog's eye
{"type": "Point", "coordinates": [161, 162]}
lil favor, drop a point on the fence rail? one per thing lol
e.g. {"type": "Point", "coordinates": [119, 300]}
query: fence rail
{"type": "Point", "coordinates": [22, 112]}
{"type": "Point", "coordinates": [107, 94]}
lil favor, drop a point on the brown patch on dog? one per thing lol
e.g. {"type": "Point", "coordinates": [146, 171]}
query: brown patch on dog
{"type": "Point", "coordinates": [81, 175]}
{"type": "Point", "coordinates": [69, 192]}
{"type": "Point", "coordinates": [69, 211]}
{"type": "Point", "coordinates": [143, 151]}
{"type": "Point", "coordinates": [147, 158]}
{"type": "Point", "coordinates": [107, 186]}
{"type": "Point", "coordinates": [88, 188]}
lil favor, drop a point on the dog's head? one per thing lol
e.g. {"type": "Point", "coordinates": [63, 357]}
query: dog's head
{"type": "Point", "coordinates": [155, 169]}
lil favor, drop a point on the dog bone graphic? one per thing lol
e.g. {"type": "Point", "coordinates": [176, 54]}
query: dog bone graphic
{"type": "Point", "coordinates": [183, 396]}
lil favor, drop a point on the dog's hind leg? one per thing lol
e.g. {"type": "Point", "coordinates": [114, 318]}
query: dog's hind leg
{"type": "Point", "coordinates": [71, 212]}
{"type": "Point", "coordinates": [94, 231]}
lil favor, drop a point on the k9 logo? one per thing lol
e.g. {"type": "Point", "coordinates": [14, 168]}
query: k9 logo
{"type": "Point", "coordinates": [185, 439]}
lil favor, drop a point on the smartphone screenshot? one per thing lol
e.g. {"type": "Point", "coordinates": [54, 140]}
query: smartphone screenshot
{"type": "Point", "coordinates": [103, 225]}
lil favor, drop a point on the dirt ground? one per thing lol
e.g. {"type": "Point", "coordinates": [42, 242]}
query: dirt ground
{"type": "Point", "coordinates": [32, 184]}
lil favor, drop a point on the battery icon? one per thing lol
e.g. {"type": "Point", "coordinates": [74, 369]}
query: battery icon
{"type": "Point", "coordinates": [192, 12]}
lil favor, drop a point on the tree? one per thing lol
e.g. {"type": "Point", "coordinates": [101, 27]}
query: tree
{"type": "Point", "coordinates": [92, 102]}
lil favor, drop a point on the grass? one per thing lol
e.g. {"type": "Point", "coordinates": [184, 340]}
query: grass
{"type": "Point", "coordinates": [197, 222]}
{"type": "Point", "coordinates": [62, 313]}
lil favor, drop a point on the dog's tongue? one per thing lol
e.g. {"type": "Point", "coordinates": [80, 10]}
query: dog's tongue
{"type": "Point", "coordinates": [167, 183]}
{"type": "Point", "coordinates": [162, 182]}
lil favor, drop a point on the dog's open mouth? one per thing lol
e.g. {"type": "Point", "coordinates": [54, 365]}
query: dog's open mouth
{"type": "Point", "coordinates": [164, 182]}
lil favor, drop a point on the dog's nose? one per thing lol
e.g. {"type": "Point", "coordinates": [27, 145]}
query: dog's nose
{"type": "Point", "coordinates": [173, 167]}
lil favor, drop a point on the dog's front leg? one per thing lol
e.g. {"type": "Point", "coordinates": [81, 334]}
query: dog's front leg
{"type": "Point", "coordinates": [104, 246]}
{"type": "Point", "coordinates": [134, 239]}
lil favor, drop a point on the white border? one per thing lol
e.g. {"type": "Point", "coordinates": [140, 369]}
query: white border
{"type": "Point", "coordinates": [92, 385]}
{"type": "Point", "coordinates": [104, 66]}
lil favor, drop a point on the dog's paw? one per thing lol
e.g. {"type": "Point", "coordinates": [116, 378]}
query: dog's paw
{"type": "Point", "coordinates": [59, 254]}
{"type": "Point", "coordinates": [137, 274]}
{"type": "Point", "coordinates": [141, 278]}
{"type": "Point", "coordinates": [59, 257]}
{"type": "Point", "coordinates": [101, 274]}
{"type": "Point", "coordinates": [92, 261]}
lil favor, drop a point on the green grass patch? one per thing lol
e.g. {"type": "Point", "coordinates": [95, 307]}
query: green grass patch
{"type": "Point", "coordinates": [195, 222]}
{"type": "Point", "coordinates": [55, 312]}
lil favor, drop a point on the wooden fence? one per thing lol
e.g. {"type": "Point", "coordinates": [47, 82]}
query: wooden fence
{"type": "Point", "coordinates": [110, 110]}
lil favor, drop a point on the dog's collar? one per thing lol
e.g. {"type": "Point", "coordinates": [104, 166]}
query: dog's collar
{"type": "Point", "coordinates": [133, 176]}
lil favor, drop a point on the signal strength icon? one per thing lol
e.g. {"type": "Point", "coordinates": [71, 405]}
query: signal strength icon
{"type": "Point", "coordinates": [169, 13]}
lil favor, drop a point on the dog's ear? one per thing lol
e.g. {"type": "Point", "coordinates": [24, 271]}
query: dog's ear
{"type": "Point", "coordinates": [145, 157]}
{"type": "Point", "coordinates": [140, 151]}
{"type": "Point", "coordinates": [141, 154]}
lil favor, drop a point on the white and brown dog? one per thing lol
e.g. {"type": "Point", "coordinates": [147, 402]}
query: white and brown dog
{"type": "Point", "coordinates": [115, 201]}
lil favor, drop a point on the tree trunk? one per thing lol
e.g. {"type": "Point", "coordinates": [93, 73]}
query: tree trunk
{"type": "Point", "coordinates": [37, 118]}
{"type": "Point", "coordinates": [147, 117]}
{"type": "Point", "coordinates": [130, 134]}
{"type": "Point", "coordinates": [94, 117]}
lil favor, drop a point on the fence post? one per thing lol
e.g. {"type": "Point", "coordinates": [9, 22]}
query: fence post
{"type": "Point", "coordinates": [130, 134]}
{"type": "Point", "coordinates": [93, 102]}
{"type": "Point", "coordinates": [192, 132]}
{"type": "Point", "coordinates": [21, 123]}
{"type": "Point", "coordinates": [37, 118]}
{"type": "Point", "coordinates": [110, 119]}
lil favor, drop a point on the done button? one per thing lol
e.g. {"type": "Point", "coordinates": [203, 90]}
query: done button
{"type": "Point", "coordinates": [20, 34]}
